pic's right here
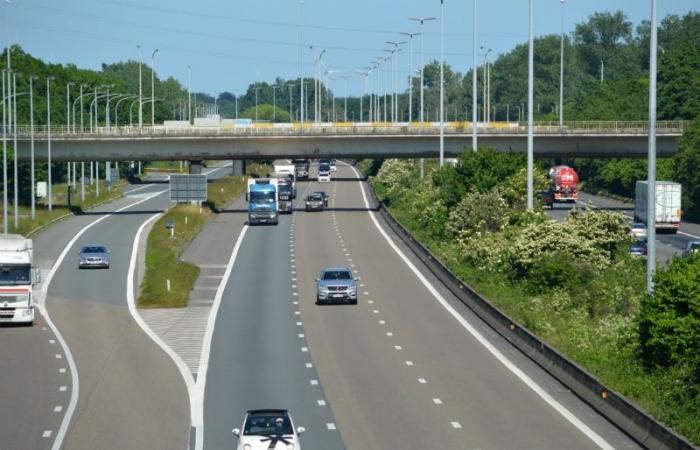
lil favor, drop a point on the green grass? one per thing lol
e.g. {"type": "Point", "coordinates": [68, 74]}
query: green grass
{"type": "Point", "coordinates": [163, 252]}
{"type": "Point", "coordinates": [609, 350]}
{"type": "Point", "coordinates": [60, 209]}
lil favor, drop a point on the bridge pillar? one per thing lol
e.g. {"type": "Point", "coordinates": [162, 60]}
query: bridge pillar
{"type": "Point", "coordinates": [238, 168]}
{"type": "Point", "coordinates": [195, 167]}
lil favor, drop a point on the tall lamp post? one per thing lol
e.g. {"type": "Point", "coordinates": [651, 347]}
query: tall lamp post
{"type": "Point", "coordinates": [140, 89]}
{"type": "Point", "coordinates": [422, 20]}
{"type": "Point", "coordinates": [530, 111]}
{"type": "Point", "coordinates": [31, 131]}
{"type": "Point", "coordinates": [561, 69]}
{"type": "Point", "coordinates": [651, 187]}
{"type": "Point", "coordinates": [189, 93]}
{"type": "Point", "coordinates": [4, 152]}
{"type": "Point", "coordinates": [301, 66]}
{"type": "Point", "coordinates": [485, 82]}
{"type": "Point", "coordinates": [14, 146]}
{"type": "Point", "coordinates": [153, 92]}
{"type": "Point", "coordinates": [442, 82]}
{"type": "Point", "coordinates": [48, 129]}
{"type": "Point", "coordinates": [474, 75]}
{"type": "Point", "coordinates": [410, 78]}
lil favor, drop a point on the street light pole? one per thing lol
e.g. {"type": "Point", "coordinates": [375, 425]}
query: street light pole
{"type": "Point", "coordinates": [189, 94]}
{"type": "Point", "coordinates": [651, 187]}
{"type": "Point", "coordinates": [474, 88]}
{"type": "Point", "coordinates": [410, 78]}
{"type": "Point", "coordinates": [530, 112]}
{"type": "Point", "coordinates": [442, 82]}
{"type": "Point", "coordinates": [14, 146]}
{"type": "Point", "coordinates": [486, 62]}
{"type": "Point", "coordinates": [48, 128]}
{"type": "Point", "coordinates": [4, 152]}
{"type": "Point", "coordinates": [301, 65]}
{"type": "Point", "coordinates": [153, 92]}
{"type": "Point", "coordinates": [140, 89]}
{"type": "Point", "coordinates": [561, 70]}
{"type": "Point", "coordinates": [31, 131]}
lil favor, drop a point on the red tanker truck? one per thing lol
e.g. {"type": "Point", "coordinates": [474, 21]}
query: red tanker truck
{"type": "Point", "coordinates": [563, 184]}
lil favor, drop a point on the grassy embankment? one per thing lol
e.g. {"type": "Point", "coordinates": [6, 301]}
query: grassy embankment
{"type": "Point", "coordinates": [163, 253]}
{"type": "Point", "coordinates": [60, 206]}
{"type": "Point", "coordinates": [593, 320]}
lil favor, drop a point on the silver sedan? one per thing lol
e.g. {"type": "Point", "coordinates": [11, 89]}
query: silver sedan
{"type": "Point", "coordinates": [94, 256]}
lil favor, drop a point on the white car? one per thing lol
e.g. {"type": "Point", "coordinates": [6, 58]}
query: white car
{"type": "Point", "coordinates": [268, 429]}
{"type": "Point", "coordinates": [334, 167]}
{"type": "Point", "coordinates": [639, 230]}
{"type": "Point", "coordinates": [324, 172]}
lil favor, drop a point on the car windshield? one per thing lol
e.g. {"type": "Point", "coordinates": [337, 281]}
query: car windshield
{"type": "Point", "coordinates": [315, 198]}
{"type": "Point", "coordinates": [94, 249]}
{"type": "Point", "coordinates": [262, 197]}
{"type": "Point", "coordinates": [15, 275]}
{"type": "Point", "coordinates": [324, 167]}
{"type": "Point", "coordinates": [285, 188]}
{"type": "Point", "coordinates": [267, 424]}
{"type": "Point", "coordinates": [337, 275]}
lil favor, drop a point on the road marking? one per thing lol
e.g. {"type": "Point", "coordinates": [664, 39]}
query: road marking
{"type": "Point", "coordinates": [544, 395]}
{"type": "Point", "coordinates": [59, 356]}
{"type": "Point", "coordinates": [296, 313]}
{"type": "Point", "coordinates": [437, 401]}
{"type": "Point", "coordinates": [46, 434]}
{"type": "Point", "coordinates": [41, 306]}
{"type": "Point", "coordinates": [371, 302]}
{"type": "Point", "coordinates": [389, 333]}
{"type": "Point", "coordinates": [456, 425]}
{"type": "Point", "coordinates": [321, 402]}
{"type": "Point", "coordinates": [299, 324]}
{"type": "Point", "coordinates": [295, 303]}
{"type": "Point", "coordinates": [309, 365]}
{"type": "Point", "coordinates": [422, 380]}
{"type": "Point", "coordinates": [62, 388]}
{"type": "Point", "coordinates": [294, 294]}
{"type": "Point", "coordinates": [52, 341]}
{"type": "Point", "coordinates": [62, 370]}
{"type": "Point", "coordinates": [409, 363]}
{"type": "Point", "coordinates": [57, 409]}
{"type": "Point", "coordinates": [366, 293]}
{"type": "Point", "coordinates": [688, 235]}
{"type": "Point", "coordinates": [313, 382]}
{"type": "Point", "coordinates": [398, 347]}
{"type": "Point", "coordinates": [301, 335]}
{"type": "Point", "coordinates": [376, 311]}
{"type": "Point", "coordinates": [382, 322]}
{"type": "Point", "coordinates": [294, 286]}
{"type": "Point", "coordinates": [137, 189]}
{"type": "Point", "coordinates": [330, 426]}
{"type": "Point", "coordinates": [305, 349]}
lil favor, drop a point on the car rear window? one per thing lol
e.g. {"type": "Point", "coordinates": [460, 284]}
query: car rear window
{"type": "Point", "coordinates": [94, 249]}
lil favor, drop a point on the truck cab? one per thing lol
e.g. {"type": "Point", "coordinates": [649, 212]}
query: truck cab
{"type": "Point", "coordinates": [17, 278]}
{"type": "Point", "coordinates": [285, 194]}
{"type": "Point", "coordinates": [263, 201]}
{"type": "Point", "coordinates": [324, 171]}
{"type": "Point", "coordinates": [301, 169]}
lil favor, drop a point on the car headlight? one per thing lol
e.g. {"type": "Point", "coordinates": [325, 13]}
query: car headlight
{"type": "Point", "coordinates": [247, 447]}
{"type": "Point", "coordinates": [28, 312]}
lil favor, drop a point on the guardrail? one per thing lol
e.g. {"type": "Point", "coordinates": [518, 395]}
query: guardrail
{"type": "Point", "coordinates": [356, 129]}
{"type": "Point", "coordinates": [617, 409]}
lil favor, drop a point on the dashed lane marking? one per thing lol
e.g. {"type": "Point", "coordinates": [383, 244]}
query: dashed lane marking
{"type": "Point", "coordinates": [409, 363]}
{"type": "Point", "coordinates": [330, 426]}
{"type": "Point", "coordinates": [437, 401]}
{"type": "Point", "coordinates": [321, 402]}
{"type": "Point", "coordinates": [57, 409]}
{"type": "Point", "coordinates": [422, 380]}
{"type": "Point", "coordinates": [456, 425]}
{"type": "Point", "coordinates": [46, 434]}
{"type": "Point", "coordinates": [313, 382]}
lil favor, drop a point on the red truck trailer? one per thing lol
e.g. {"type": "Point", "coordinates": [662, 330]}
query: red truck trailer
{"type": "Point", "coordinates": [564, 184]}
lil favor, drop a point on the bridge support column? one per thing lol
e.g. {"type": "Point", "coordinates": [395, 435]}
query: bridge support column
{"type": "Point", "coordinates": [238, 168]}
{"type": "Point", "coordinates": [195, 167]}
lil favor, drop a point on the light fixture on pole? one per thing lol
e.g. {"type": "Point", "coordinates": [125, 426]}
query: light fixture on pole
{"type": "Point", "coordinates": [153, 91]}
{"type": "Point", "coordinates": [422, 20]}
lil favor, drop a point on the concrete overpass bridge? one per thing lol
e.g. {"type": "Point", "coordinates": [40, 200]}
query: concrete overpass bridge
{"type": "Point", "coordinates": [599, 139]}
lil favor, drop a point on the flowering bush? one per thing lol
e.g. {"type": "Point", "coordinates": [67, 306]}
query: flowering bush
{"type": "Point", "coordinates": [477, 212]}
{"type": "Point", "coordinates": [397, 177]}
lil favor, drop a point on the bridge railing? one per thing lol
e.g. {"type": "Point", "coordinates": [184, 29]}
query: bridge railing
{"type": "Point", "coordinates": [355, 129]}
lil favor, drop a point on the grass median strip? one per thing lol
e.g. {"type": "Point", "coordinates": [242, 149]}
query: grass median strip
{"type": "Point", "coordinates": [168, 279]}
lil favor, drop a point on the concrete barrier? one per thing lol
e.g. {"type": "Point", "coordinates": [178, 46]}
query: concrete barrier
{"type": "Point", "coordinates": [624, 414]}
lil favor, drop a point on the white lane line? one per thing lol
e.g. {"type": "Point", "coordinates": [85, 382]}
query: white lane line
{"type": "Point", "coordinates": [137, 189]}
{"type": "Point", "coordinates": [62, 388]}
{"type": "Point", "coordinates": [197, 408]}
{"type": "Point", "coordinates": [305, 349]}
{"type": "Point", "coordinates": [422, 380]}
{"type": "Point", "coordinates": [299, 324]}
{"type": "Point", "coordinates": [389, 333]}
{"type": "Point", "coordinates": [309, 365]}
{"type": "Point", "coordinates": [321, 402]}
{"type": "Point", "coordinates": [330, 426]}
{"type": "Point", "coordinates": [409, 363]}
{"type": "Point", "coordinates": [688, 235]}
{"type": "Point", "coordinates": [456, 425]}
{"type": "Point", "coordinates": [52, 341]}
{"type": "Point", "coordinates": [41, 305]}
{"type": "Point", "coordinates": [62, 370]}
{"type": "Point", "coordinates": [398, 347]}
{"type": "Point", "coordinates": [382, 322]}
{"type": "Point", "coordinates": [46, 434]}
{"type": "Point", "coordinates": [57, 409]}
{"type": "Point", "coordinates": [314, 382]}
{"type": "Point", "coordinates": [437, 401]}
{"type": "Point", "coordinates": [301, 335]}
{"type": "Point", "coordinates": [544, 395]}
{"type": "Point", "coordinates": [59, 356]}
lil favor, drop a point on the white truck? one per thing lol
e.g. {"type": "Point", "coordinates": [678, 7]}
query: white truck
{"type": "Point", "coordinates": [287, 171]}
{"type": "Point", "coordinates": [667, 205]}
{"type": "Point", "coordinates": [17, 278]}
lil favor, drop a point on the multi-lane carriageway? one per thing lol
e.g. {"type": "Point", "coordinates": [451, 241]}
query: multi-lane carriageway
{"type": "Point", "coordinates": [408, 367]}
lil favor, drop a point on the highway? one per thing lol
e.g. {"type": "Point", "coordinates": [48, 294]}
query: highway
{"type": "Point", "coordinates": [124, 392]}
{"type": "Point", "coordinates": [668, 245]}
{"type": "Point", "coordinates": [399, 370]}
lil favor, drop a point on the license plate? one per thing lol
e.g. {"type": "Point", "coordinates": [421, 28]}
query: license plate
{"type": "Point", "coordinates": [338, 295]}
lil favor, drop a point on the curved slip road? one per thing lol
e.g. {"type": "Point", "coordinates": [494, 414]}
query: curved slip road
{"type": "Point", "coordinates": [131, 395]}
{"type": "Point", "coordinates": [400, 372]}
{"type": "Point", "coordinates": [259, 356]}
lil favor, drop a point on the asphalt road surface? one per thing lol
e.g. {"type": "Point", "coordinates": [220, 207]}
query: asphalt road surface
{"type": "Point", "coordinates": [130, 394]}
{"type": "Point", "coordinates": [668, 244]}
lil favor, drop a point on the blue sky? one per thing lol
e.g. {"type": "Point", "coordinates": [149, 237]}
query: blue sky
{"type": "Point", "coordinates": [233, 43]}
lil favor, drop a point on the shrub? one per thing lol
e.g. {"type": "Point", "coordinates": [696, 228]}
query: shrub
{"type": "Point", "coordinates": [397, 177]}
{"type": "Point", "coordinates": [606, 230]}
{"type": "Point", "coordinates": [669, 324]}
{"type": "Point", "coordinates": [477, 212]}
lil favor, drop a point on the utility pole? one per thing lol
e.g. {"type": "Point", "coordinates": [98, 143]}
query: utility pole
{"type": "Point", "coordinates": [410, 77]}
{"type": "Point", "coordinates": [31, 131]}
{"type": "Point", "coordinates": [48, 128]}
{"type": "Point", "coordinates": [14, 138]}
{"type": "Point", "coordinates": [140, 92]}
{"type": "Point", "coordinates": [5, 102]}
{"type": "Point", "coordinates": [153, 91]}
{"type": "Point", "coordinates": [189, 94]}
{"type": "Point", "coordinates": [301, 65]}
{"type": "Point", "coordinates": [561, 70]}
